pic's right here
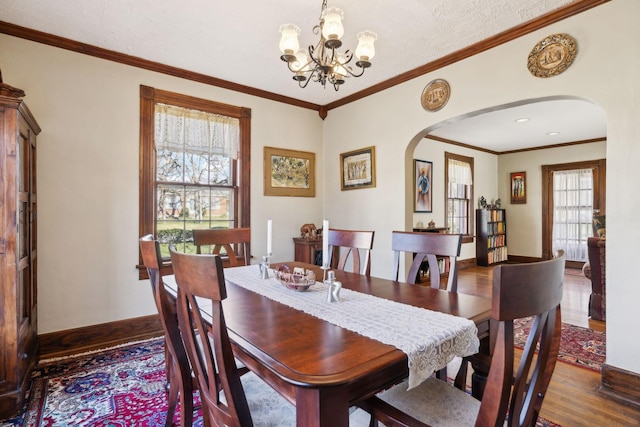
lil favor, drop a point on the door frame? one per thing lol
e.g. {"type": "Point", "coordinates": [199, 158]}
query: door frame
{"type": "Point", "coordinates": [599, 168]}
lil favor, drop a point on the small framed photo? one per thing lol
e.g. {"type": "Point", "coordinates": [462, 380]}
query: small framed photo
{"type": "Point", "coordinates": [289, 173]}
{"type": "Point", "coordinates": [518, 187]}
{"type": "Point", "coordinates": [358, 169]}
{"type": "Point", "coordinates": [422, 184]}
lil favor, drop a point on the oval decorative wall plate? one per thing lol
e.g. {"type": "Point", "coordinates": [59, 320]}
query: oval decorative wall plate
{"type": "Point", "coordinates": [435, 95]}
{"type": "Point", "coordinates": [552, 55]}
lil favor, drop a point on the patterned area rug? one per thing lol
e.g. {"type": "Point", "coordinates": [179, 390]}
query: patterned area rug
{"type": "Point", "coordinates": [578, 346]}
{"type": "Point", "coordinates": [119, 387]}
{"type": "Point", "coordinates": [124, 386]}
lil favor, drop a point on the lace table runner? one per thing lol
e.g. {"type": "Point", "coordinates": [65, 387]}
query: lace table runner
{"type": "Point", "coordinates": [429, 338]}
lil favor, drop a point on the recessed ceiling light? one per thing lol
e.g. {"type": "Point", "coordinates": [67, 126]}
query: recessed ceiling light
{"type": "Point", "coordinates": [553, 133]}
{"type": "Point", "coordinates": [522, 120]}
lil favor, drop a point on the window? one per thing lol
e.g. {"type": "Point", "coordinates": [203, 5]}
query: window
{"type": "Point", "coordinates": [459, 194]}
{"type": "Point", "coordinates": [194, 167]}
{"type": "Point", "coordinates": [573, 210]}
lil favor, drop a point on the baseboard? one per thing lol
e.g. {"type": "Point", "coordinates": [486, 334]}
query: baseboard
{"type": "Point", "coordinates": [95, 337]}
{"type": "Point", "coordinates": [523, 259]}
{"type": "Point", "coordinates": [621, 385]}
{"type": "Point", "coordinates": [466, 263]}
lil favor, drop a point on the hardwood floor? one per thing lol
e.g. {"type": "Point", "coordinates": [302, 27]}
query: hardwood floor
{"type": "Point", "coordinates": [573, 398]}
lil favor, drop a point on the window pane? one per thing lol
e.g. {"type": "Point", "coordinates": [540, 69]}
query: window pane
{"type": "Point", "coordinates": [573, 210]}
{"type": "Point", "coordinates": [182, 209]}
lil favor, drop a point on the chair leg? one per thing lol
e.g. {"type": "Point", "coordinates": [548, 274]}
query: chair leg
{"type": "Point", "coordinates": [460, 381]}
{"type": "Point", "coordinates": [168, 361]}
{"type": "Point", "coordinates": [442, 374]}
{"type": "Point", "coordinates": [180, 387]}
{"type": "Point", "coordinates": [173, 385]}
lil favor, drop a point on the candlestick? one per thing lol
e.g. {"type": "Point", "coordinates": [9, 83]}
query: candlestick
{"type": "Point", "coordinates": [269, 223]}
{"type": "Point", "coordinates": [325, 243]}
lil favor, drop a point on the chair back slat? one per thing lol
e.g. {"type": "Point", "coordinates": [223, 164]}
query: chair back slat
{"type": "Point", "coordinates": [232, 244]}
{"type": "Point", "coordinates": [177, 364]}
{"type": "Point", "coordinates": [427, 247]}
{"type": "Point", "coordinates": [523, 291]}
{"type": "Point", "coordinates": [354, 244]}
{"type": "Point", "coordinates": [207, 340]}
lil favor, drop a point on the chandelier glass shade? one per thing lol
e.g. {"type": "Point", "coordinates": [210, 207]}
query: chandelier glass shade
{"type": "Point", "coordinates": [323, 63]}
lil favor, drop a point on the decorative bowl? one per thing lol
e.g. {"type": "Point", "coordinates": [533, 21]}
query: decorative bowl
{"type": "Point", "coordinates": [299, 280]}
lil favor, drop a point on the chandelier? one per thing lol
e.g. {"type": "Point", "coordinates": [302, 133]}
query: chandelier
{"type": "Point", "coordinates": [323, 62]}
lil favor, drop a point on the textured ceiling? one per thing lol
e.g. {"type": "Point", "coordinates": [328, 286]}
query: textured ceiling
{"type": "Point", "coordinates": [238, 40]}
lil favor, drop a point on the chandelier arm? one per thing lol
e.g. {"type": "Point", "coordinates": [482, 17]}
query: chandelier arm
{"type": "Point", "coordinates": [303, 84]}
{"type": "Point", "coordinates": [352, 74]}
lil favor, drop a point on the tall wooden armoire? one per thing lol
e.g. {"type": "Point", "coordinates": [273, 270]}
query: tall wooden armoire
{"type": "Point", "coordinates": [18, 242]}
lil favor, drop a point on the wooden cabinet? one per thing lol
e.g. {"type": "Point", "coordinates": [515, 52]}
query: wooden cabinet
{"type": "Point", "coordinates": [308, 250]}
{"type": "Point", "coordinates": [491, 236]}
{"type": "Point", "coordinates": [18, 241]}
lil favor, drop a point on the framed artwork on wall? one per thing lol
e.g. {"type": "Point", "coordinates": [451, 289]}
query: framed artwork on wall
{"type": "Point", "coordinates": [422, 185]}
{"type": "Point", "coordinates": [289, 172]}
{"type": "Point", "coordinates": [518, 188]}
{"type": "Point", "coordinates": [358, 169]}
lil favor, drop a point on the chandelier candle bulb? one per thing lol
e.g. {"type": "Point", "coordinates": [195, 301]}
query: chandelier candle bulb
{"type": "Point", "coordinates": [332, 29]}
{"type": "Point", "coordinates": [325, 243]}
{"type": "Point", "coordinates": [366, 49]}
{"type": "Point", "coordinates": [289, 44]}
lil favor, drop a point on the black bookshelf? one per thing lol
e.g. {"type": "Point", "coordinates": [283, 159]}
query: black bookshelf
{"type": "Point", "coordinates": [491, 236]}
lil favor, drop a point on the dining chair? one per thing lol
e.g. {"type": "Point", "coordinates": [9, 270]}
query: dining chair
{"type": "Point", "coordinates": [511, 398]}
{"type": "Point", "coordinates": [429, 247]}
{"type": "Point", "coordinates": [235, 242]}
{"type": "Point", "coordinates": [177, 364]}
{"type": "Point", "coordinates": [227, 398]}
{"type": "Point", "coordinates": [351, 244]}
{"type": "Point", "coordinates": [212, 360]}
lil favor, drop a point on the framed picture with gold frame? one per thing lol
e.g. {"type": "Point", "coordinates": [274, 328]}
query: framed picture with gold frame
{"type": "Point", "coordinates": [289, 172]}
{"type": "Point", "coordinates": [358, 169]}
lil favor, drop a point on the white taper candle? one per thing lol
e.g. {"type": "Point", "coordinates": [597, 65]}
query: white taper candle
{"type": "Point", "coordinates": [325, 243]}
{"type": "Point", "coordinates": [269, 236]}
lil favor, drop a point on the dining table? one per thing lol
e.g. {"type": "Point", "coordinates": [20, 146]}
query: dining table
{"type": "Point", "coordinates": [322, 356]}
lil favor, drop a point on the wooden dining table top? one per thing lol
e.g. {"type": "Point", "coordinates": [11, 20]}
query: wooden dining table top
{"type": "Point", "coordinates": [322, 368]}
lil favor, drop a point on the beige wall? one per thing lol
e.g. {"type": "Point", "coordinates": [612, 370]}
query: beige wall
{"type": "Point", "coordinates": [605, 72]}
{"type": "Point", "coordinates": [88, 178]}
{"type": "Point", "coordinates": [88, 171]}
{"type": "Point", "coordinates": [525, 221]}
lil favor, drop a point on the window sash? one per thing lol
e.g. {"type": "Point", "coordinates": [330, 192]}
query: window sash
{"type": "Point", "coordinates": [231, 178]}
{"type": "Point", "coordinates": [459, 194]}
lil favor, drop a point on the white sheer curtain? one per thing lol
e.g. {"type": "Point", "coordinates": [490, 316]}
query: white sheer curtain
{"type": "Point", "coordinates": [458, 196]}
{"type": "Point", "coordinates": [180, 129]}
{"type": "Point", "coordinates": [459, 172]}
{"type": "Point", "coordinates": [573, 212]}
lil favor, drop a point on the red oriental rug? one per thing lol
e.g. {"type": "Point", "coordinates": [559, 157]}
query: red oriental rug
{"type": "Point", "coordinates": [123, 386]}
{"type": "Point", "coordinates": [578, 346]}
{"type": "Point", "coordinates": [117, 387]}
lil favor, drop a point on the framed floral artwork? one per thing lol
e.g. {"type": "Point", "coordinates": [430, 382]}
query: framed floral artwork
{"type": "Point", "coordinates": [289, 173]}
